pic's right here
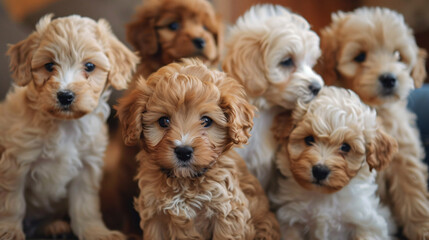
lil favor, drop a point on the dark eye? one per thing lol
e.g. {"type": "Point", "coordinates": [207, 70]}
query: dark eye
{"type": "Point", "coordinates": [164, 122]}
{"type": "Point", "coordinates": [309, 140]}
{"type": "Point", "coordinates": [49, 67]}
{"type": "Point", "coordinates": [288, 62]}
{"type": "Point", "coordinates": [89, 67]}
{"type": "Point", "coordinates": [345, 147]}
{"type": "Point", "coordinates": [205, 28]}
{"type": "Point", "coordinates": [360, 58]}
{"type": "Point", "coordinates": [206, 121]}
{"type": "Point", "coordinates": [174, 26]}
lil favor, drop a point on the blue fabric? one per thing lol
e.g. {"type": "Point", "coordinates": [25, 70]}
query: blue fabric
{"type": "Point", "coordinates": [418, 102]}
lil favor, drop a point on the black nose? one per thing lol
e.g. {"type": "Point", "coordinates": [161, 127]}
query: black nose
{"type": "Point", "coordinates": [184, 153]}
{"type": "Point", "coordinates": [388, 80]}
{"type": "Point", "coordinates": [199, 43]}
{"type": "Point", "coordinates": [315, 88]}
{"type": "Point", "coordinates": [65, 97]}
{"type": "Point", "coordinates": [320, 172]}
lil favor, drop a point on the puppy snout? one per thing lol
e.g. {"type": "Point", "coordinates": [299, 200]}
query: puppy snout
{"type": "Point", "coordinates": [315, 88]}
{"type": "Point", "coordinates": [320, 172]}
{"type": "Point", "coordinates": [387, 80]}
{"type": "Point", "coordinates": [199, 43]}
{"type": "Point", "coordinates": [65, 98]}
{"type": "Point", "coordinates": [184, 153]}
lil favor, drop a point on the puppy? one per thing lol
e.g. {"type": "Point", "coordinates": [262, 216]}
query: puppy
{"type": "Point", "coordinates": [326, 187]}
{"type": "Point", "coordinates": [164, 31]}
{"type": "Point", "coordinates": [52, 131]}
{"type": "Point", "coordinates": [271, 51]}
{"type": "Point", "coordinates": [186, 119]}
{"type": "Point", "coordinates": [373, 52]}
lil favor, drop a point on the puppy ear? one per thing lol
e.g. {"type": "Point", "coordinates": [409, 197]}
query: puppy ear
{"type": "Point", "coordinates": [327, 64]}
{"type": "Point", "coordinates": [238, 111]}
{"type": "Point", "coordinates": [381, 150]}
{"type": "Point", "coordinates": [20, 59]}
{"type": "Point", "coordinates": [245, 63]}
{"type": "Point", "coordinates": [129, 111]}
{"type": "Point", "coordinates": [282, 125]}
{"type": "Point", "coordinates": [21, 53]}
{"type": "Point", "coordinates": [141, 33]}
{"type": "Point", "coordinates": [419, 71]}
{"type": "Point", "coordinates": [122, 60]}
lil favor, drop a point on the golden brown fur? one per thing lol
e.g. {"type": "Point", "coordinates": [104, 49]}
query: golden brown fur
{"type": "Point", "coordinates": [212, 195]}
{"type": "Point", "coordinates": [158, 45]}
{"type": "Point", "coordinates": [358, 49]}
{"type": "Point", "coordinates": [52, 147]}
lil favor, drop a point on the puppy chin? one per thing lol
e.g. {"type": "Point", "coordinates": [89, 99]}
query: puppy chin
{"type": "Point", "coordinates": [69, 112]}
{"type": "Point", "coordinates": [186, 170]}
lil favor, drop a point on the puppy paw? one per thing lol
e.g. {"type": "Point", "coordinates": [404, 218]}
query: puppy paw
{"type": "Point", "coordinates": [56, 228]}
{"type": "Point", "coordinates": [11, 233]}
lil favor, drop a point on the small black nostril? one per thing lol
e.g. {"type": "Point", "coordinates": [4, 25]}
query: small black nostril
{"type": "Point", "coordinates": [65, 97]}
{"type": "Point", "coordinates": [320, 172]}
{"type": "Point", "coordinates": [184, 153]}
{"type": "Point", "coordinates": [199, 43]}
{"type": "Point", "coordinates": [387, 80]}
{"type": "Point", "coordinates": [315, 88]}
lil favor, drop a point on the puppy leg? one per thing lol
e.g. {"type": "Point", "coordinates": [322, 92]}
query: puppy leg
{"type": "Point", "coordinates": [182, 229]}
{"type": "Point", "coordinates": [12, 201]}
{"type": "Point", "coordinates": [407, 193]}
{"type": "Point", "coordinates": [84, 209]}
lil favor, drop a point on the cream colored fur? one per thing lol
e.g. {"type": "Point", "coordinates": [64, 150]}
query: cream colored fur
{"type": "Point", "coordinates": [389, 48]}
{"type": "Point", "coordinates": [261, 40]}
{"type": "Point", "coordinates": [51, 155]}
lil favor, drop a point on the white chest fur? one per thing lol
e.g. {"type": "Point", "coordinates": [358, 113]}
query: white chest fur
{"type": "Point", "coordinates": [259, 151]}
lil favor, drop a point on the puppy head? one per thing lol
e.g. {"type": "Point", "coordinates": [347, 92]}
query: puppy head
{"type": "Point", "coordinates": [333, 137]}
{"type": "Point", "coordinates": [68, 62]}
{"type": "Point", "coordinates": [373, 52]}
{"type": "Point", "coordinates": [185, 116]}
{"type": "Point", "coordinates": [172, 29]}
{"type": "Point", "coordinates": [271, 51]}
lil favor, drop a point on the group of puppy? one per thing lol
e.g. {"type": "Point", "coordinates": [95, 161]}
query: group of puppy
{"type": "Point", "coordinates": [262, 150]}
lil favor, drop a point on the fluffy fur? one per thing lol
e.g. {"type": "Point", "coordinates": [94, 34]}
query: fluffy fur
{"type": "Point", "coordinates": [271, 51]}
{"type": "Point", "coordinates": [335, 131]}
{"type": "Point", "coordinates": [51, 153]}
{"type": "Point", "coordinates": [211, 195]}
{"type": "Point", "coordinates": [164, 31]}
{"type": "Point", "coordinates": [373, 52]}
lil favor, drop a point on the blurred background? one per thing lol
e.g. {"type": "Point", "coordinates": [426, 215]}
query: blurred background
{"type": "Point", "coordinates": [18, 17]}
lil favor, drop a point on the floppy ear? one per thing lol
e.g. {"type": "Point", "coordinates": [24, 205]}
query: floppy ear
{"type": "Point", "coordinates": [129, 111]}
{"type": "Point", "coordinates": [238, 111]}
{"type": "Point", "coordinates": [327, 64]}
{"type": "Point", "coordinates": [20, 59]}
{"type": "Point", "coordinates": [122, 60]}
{"type": "Point", "coordinates": [381, 150]}
{"type": "Point", "coordinates": [244, 62]}
{"type": "Point", "coordinates": [282, 125]}
{"type": "Point", "coordinates": [419, 71]}
{"type": "Point", "coordinates": [141, 33]}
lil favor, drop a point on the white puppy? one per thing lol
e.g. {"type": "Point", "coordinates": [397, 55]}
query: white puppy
{"type": "Point", "coordinates": [271, 51]}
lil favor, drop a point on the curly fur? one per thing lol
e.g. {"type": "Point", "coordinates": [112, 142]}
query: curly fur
{"type": "Point", "coordinates": [389, 47]}
{"type": "Point", "coordinates": [158, 45]}
{"type": "Point", "coordinates": [264, 37]}
{"type": "Point", "coordinates": [51, 155]}
{"type": "Point", "coordinates": [344, 205]}
{"type": "Point", "coordinates": [211, 196]}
